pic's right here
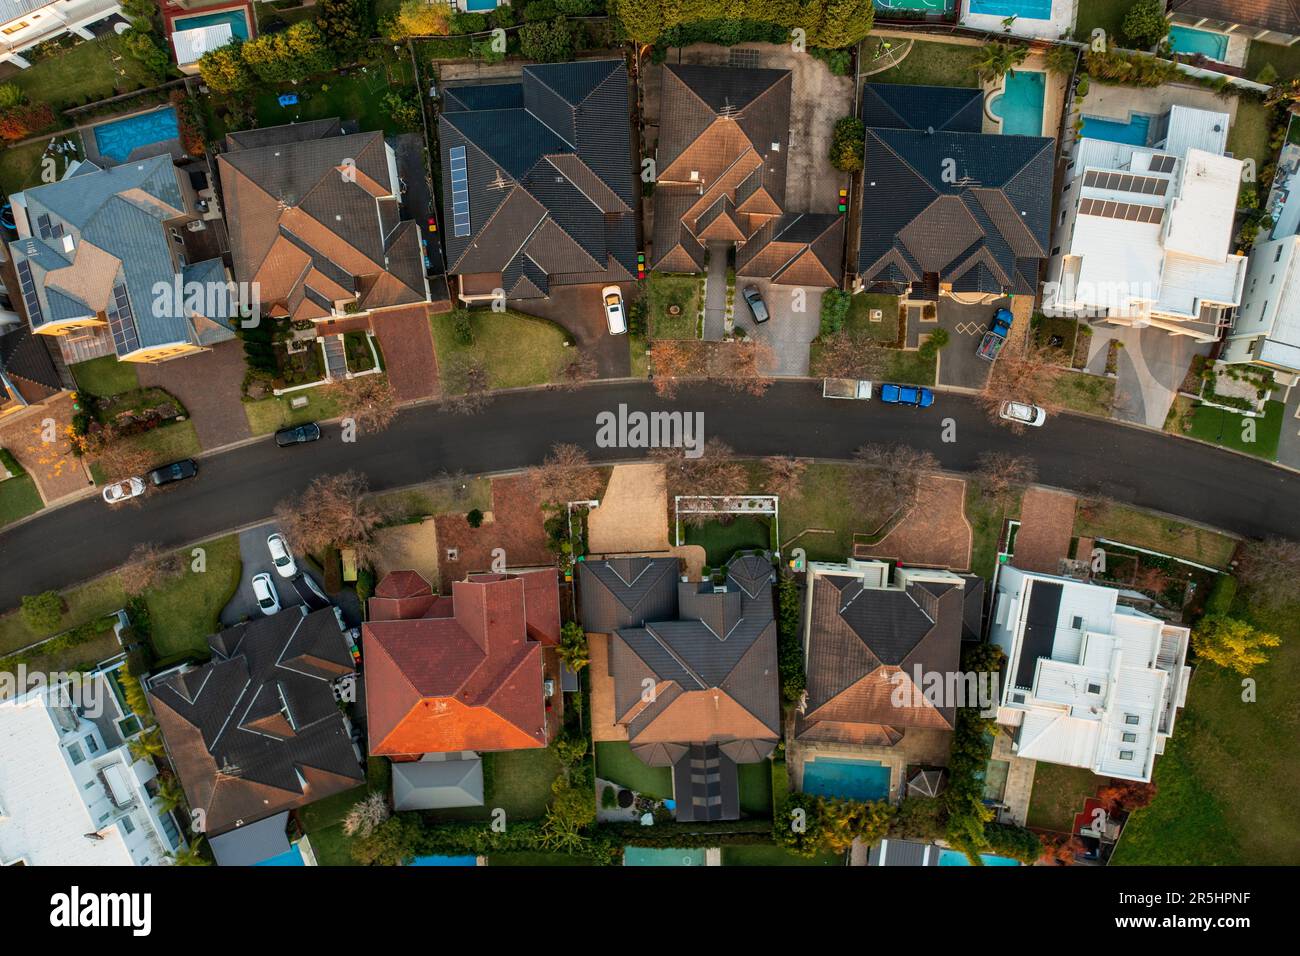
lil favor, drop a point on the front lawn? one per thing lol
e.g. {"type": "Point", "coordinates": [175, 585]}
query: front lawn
{"type": "Point", "coordinates": [772, 855]}
{"type": "Point", "coordinates": [266, 415]}
{"type": "Point", "coordinates": [927, 64]}
{"type": "Point", "coordinates": [986, 518]}
{"type": "Point", "coordinates": [164, 444]}
{"type": "Point", "coordinates": [909, 367]}
{"type": "Point", "coordinates": [720, 541]}
{"type": "Point", "coordinates": [105, 376]}
{"type": "Point", "coordinates": [185, 611]}
{"type": "Point", "coordinates": [1081, 392]}
{"type": "Point", "coordinates": [1221, 427]}
{"type": "Point", "coordinates": [664, 291]}
{"type": "Point", "coordinates": [90, 71]}
{"type": "Point", "coordinates": [616, 763]}
{"type": "Point", "coordinates": [830, 509]}
{"type": "Point", "coordinates": [859, 324]}
{"type": "Point", "coordinates": [85, 602]}
{"type": "Point", "coordinates": [18, 499]}
{"type": "Point", "coordinates": [1143, 529]}
{"type": "Point", "coordinates": [1058, 794]}
{"type": "Point", "coordinates": [516, 350]}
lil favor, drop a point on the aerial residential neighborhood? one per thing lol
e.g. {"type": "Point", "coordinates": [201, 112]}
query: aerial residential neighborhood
{"type": "Point", "coordinates": [618, 433]}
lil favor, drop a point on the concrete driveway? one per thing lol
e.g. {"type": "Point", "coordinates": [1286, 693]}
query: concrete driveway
{"type": "Point", "coordinates": [1149, 369]}
{"type": "Point", "coordinates": [788, 332]}
{"type": "Point", "coordinates": [959, 366]}
{"type": "Point", "coordinates": [256, 559]}
{"type": "Point", "coordinates": [715, 292]}
{"type": "Point", "coordinates": [578, 308]}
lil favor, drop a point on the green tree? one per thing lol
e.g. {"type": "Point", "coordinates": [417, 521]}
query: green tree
{"type": "Point", "coordinates": [43, 613]}
{"type": "Point", "coordinates": [573, 648]}
{"type": "Point", "coordinates": [143, 47]}
{"type": "Point", "coordinates": [294, 54]}
{"type": "Point", "coordinates": [797, 824]}
{"type": "Point", "coordinates": [345, 25]}
{"type": "Point", "coordinates": [1061, 59]}
{"type": "Point", "coordinates": [996, 60]}
{"type": "Point", "coordinates": [572, 810]}
{"type": "Point", "coordinates": [643, 20]}
{"type": "Point", "coordinates": [843, 23]}
{"type": "Point", "coordinates": [147, 745]}
{"type": "Point", "coordinates": [393, 843]}
{"type": "Point", "coordinates": [1232, 643]}
{"type": "Point", "coordinates": [547, 41]}
{"type": "Point", "coordinates": [848, 142]}
{"type": "Point", "coordinates": [1145, 24]}
{"type": "Point", "coordinates": [190, 855]}
{"type": "Point", "coordinates": [225, 71]}
{"type": "Point", "coordinates": [11, 95]}
{"type": "Point", "coordinates": [843, 821]}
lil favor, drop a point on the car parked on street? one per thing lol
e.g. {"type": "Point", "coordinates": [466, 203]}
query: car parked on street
{"type": "Point", "coordinates": [915, 395]}
{"type": "Point", "coordinates": [176, 471]}
{"type": "Point", "coordinates": [280, 556]}
{"type": "Point", "coordinates": [124, 489]}
{"type": "Point", "coordinates": [754, 299]}
{"type": "Point", "coordinates": [264, 591]}
{"type": "Point", "coordinates": [1025, 414]}
{"type": "Point", "coordinates": [297, 435]}
{"type": "Point", "coordinates": [614, 314]}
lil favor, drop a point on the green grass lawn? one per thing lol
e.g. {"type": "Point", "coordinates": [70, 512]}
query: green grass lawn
{"type": "Point", "coordinates": [909, 367]}
{"type": "Point", "coordinates": [322, 821]}
{"type": "Point", "coordinates": [859, 321]}
{"type": "Point", "coordinates": [640, 362]}
{"type": "Point", "coordinates": [164, 444]}
{"type": "Point", "coordinates": [1107, 14]}
{"type": "Point", "coordinates": [516, 349]}
{"type": "Point", "coordinates": [1249, 133]}
{"type": "Point", "coordinates": [270, 414]}
{"type": "Point", "coordinates": [1221, 427]}
{"type": "Point", "coordinates": [616, 762]}
{"type": "Point", "coordinates": [352, 97]}
{"type": "Point", "coordinates": [831, 502]}
{"type": "Point", "coordinates": [91, 70]}
{"type": "Point", "coordinates": [1080, 392]}
{"type": "Point", "coordinates": [185, 611]}
{"type": "Point", "coordinates": [105, 376]}
{"type": "Point", "coordinates": [1285, 59]}
{"type": "Point", "coordinates": [775, 856]}
{"type": "Point", "coordinates": [756, 788]}
{"type": "Point", "coordinates": [18, 498]}
{"type": "Point", "coordinates": [1156, 533]}
{"type": "Point", "coordinates": [436, 498]}
{"type": "Point", "coordinates": [721, 541]}
{"type": "Point", "coordinates": [1058, 794]}
{"type": "Point", "coordinates": [661, 292]}
{"type": "Point", "coordinates": [521, 781]}
{"type": "Point", "coordinates": [986, 518]}
{"type": "Point", "coordinates": [21, 166]}
{"type": "Point", "coordinates": [928, 64]}
{"type": "Point", "coordinates": [85, 602]}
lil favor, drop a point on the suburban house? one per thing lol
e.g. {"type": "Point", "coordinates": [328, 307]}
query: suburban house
{"type": "Point", "coordinates": [1145, 236]}
{"type": "Point", "coordinates": [946, 209]}
{"type": "Point", "coordinates": [872, 642]}
{"type": "Point", "coordinates": [537, 181]}
{"type": "Point", "coordinates": [448, 677]}
{"type": "Point", "coordinates": [317, 229]}
{"type": "Point", "coordinates": [25, 23]}
{"type": "Point", "coordinates": [1090, 681]}
{"type": "Point", "coordinates": [193, 27]}
{"type": "Point", "coordinates": [106, 260]}
{"type": "Point", "coordinates": [693, 670]}
{"type": "Point", "coordinates": [257, 730]}
{"type": "Point", "coordinates": [28, 374]}
{"type": "Point", "coordinates": [1269, 21]}
{"type": "Point", "coordinates": [720, 178]}
{"type": "Point", "coordinates": [71, 793]}
{"type": "Point", "coordinates": [1267, 329]}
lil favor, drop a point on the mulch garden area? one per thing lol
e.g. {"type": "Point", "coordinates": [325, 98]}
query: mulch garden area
{"type": "Point", "coordinates": [516, 526]}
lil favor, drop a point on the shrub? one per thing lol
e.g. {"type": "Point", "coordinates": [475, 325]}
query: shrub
{"type": "Point", "coordinates": [345, 25]}
{"type": "Point", "coordinates": [225, 71]}
{"type": "Point", "coordinates": [1145, 25]}
{"type": "Point", "coordinates": [789, 649]}
{"type": "Point", "coordinates": [462, 328]}
{"type": "Point", "coordinates": [19, 122]}
{"type": "Point", "coordinates": [546, 41]}
{"type": "Point", "coordinates": [403, 108]}
{"type": "Point", "coordinates": [839, 62]}
{"type": "Point", "coordinates": [294, 54]}
{"type": "Point", "coordinates": [475, 518]}
{"type": "Point", "coordinates": [417, 18]}
{"type": "Point", "coordinates": [847, 144]}
{"type": "Point", "coordinates": [835, 309]}
{"type": "Point", "coordinates": [144, 48]}
{"type": "Point", "coordinates": [43, 613]}
{"type": "Point", "coordinates": [1222, 595]}
{"type": "Point", "coordinates": [11, 95]}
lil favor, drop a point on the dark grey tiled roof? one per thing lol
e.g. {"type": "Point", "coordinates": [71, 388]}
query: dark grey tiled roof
{"type": "Point", "coordinates": [22, 355]}
{"type": "Point", "coordinates": [706, 785]}
{"type": "Point", "coordinates": [898, 106]}
{"type": "Point", "coordinates": [627, 592]}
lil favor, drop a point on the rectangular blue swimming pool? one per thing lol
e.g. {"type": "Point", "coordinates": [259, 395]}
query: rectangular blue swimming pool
{"type": "Point", "coordinates": [1024, 9]}
{"type": "Point", "coordinates": [120, 138]}
{"type": "Point", "coordinates": [1134, 132]}
{"type": "Point", "coordinates": [850, 779]}
{"type": "Point", "coordinates": [480, 6]}
{"type": "Point", "coordinates": [650, 856]}
{"type": "Point", "coordinates": [1204, 42]}
{"type": "Point", "coordinates": [957, 858]}
{"type": "Point", "coordinates": [445, 861]}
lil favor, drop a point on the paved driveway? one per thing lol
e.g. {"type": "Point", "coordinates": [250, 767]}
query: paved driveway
{"type": "Point", "coordinates": [578, 308]}
{"type": "Point", "coordinates": [208, 386]}
{"type": "Point", "coordinates": [256, 559]}
{"type": "Point", "coordinates": [407, 343]}
{"type": "Point", "coordinates": [959, 366]}
{"type": "Point", "coordinates": [787, 331]}
{"type": "Point", "coordinates": [1288, 445]}
{"type": "Point", "coordinates": [715, 293]}
{"type": "Point", "coordinates": [1149, 369]}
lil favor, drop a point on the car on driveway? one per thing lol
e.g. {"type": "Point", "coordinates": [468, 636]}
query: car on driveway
{"type": "Point", "coordinates": [280, 556]}
{"type": "Point", "coordinates": [176, 471]}
{"type": "Point", "coordinates": [754, 299]}
{"type": "Point", "coordinates": [122, 490]}
{"type": "Point", "coordinates": [1020, 412]}
{"type": "Point", "coordinates": [298, 435]}
{"type": "Point", "coordinates": [996, 337]}
{"type": "Point", "coordinates": [914, 395]}
{"type": "Point", "coordinates": [614, 313]}
{"type": "Point", "coordinates": [264, 590]}
{"type": "Point", "coordinates": [309, 591]}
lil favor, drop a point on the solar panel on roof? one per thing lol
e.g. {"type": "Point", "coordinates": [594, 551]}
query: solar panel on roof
{"type": "Point", "coordinates": [121, 320]}
{"type": "Point", "coordinates": [459, 191]}
{"type": "Point", "coordinates": [34, 312]}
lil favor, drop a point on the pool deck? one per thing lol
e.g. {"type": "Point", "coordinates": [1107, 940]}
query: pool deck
{"type": "Point", "coordinates": [917, 748]}
{"type": "Point", "coordinates": [1062, 21]}
{"type": "Point", "coordinates": [1053, 97]}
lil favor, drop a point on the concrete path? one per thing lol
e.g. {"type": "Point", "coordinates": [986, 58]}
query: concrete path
{"type": "Point", "coordinates": [1288, 445]}
{"type": "Point", "coordinates": [715, 293]}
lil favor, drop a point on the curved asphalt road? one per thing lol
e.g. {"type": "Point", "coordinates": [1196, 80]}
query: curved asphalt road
{"type": "Point", "coordinates": [1141, 467]}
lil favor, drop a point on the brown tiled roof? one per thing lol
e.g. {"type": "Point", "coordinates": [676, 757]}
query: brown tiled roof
{"type": "Point", "coordinates": [796, 249]}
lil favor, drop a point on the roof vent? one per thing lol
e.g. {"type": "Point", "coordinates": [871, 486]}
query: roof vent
{"type": "Point", "coordinates": [776, 147]}
{"type": "Point", "coordinates": [929, 131]}
{"type": "Point", "coordinates": [695, 175]}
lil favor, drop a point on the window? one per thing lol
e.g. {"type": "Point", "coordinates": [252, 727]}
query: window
{"type": "Point", "coordinates": [127, 825]}
{"type": "Point", "coordinates": [1277, 257]}
{"type": "Point", "coordinates": [91, 745]}
{"type": "Point", "coordinates": [1094, 687]}
{"type": "Point", "coordinates": [1131, 719]}
{"type": "Point", "coordinates": [1077, 623]}
{"type": "Point", "coordinates": [74, 751]}
{"type": "Point", "coordinates": [1056, 250]}
{"type": "Point", "coordinates": [1126, 755]}
{"type": "Point", "coordinates": [1130, 738]}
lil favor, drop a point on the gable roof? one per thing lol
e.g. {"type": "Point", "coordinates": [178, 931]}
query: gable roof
{"type": "Point", "coordinates": [256, 730]}
{"type": "Point", "coordinates": [972, 208]}
{"type": "Point", "coordinates": [464, 673]}
{"type": "Point", "coordinates": [27, 370]}
{"type": "Point", "coordinates": [548, 177]}
{"type": "Point", "coordinates": [796, 249]}
{"type": "Point", "coordinates": [627, 592]}
{"type": "Point", "coordinates": [1280, 15]}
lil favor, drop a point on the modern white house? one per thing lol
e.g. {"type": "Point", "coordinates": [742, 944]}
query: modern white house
{"type": "Point", "coordinates": [1090, 682]}
{"type": "Point", "coordinates": [1145, 232]}
{"type": "Point", "coordinates": [1267, 330]}
{"type": "Point", "coordinates": [70, 792]}
{"type": "Point", "coordinates": [29, 22]}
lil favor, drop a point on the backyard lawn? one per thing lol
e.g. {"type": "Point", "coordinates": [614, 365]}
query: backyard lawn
{"type": "Point", "coordinates": [1156, 533]}
{"type": "Point", "coordinates": [1058, 794]}
{"type": "Point", "coordinates": [105, 376]}
{"type": "Point", "coordinates": [520, 781]}
{"type": "Point", "coordinates": [358, 97]}
{"type": "Point", "coordinates": [517, 350]}
{"type": "Point", "coordinates": [1285, 59]}
{"type": "Point", "coordinates": [830, 509]}
{"type": "Point", "coordinates": [185, 611]}
{"type": "Point", "coordinates": [21, 166]}
{"type": "Point", "coordinates": [1221, 427]}
{"type": "Point", "coordinates": [91, 70]}
{"type": "Point", "coordinates": [18, 498]}
{"type": "Point", "coordinates": [1107, 14]}
{"type": "Point", "coordinates": [322, 821]}
{"type": "Point", "coordinates": [616, 763]}
{"type": "Point", "coordinates": [927, 64]}
{"type": "Point", "coordinates": [269, 414]}
{"type": "Point", "coordinates": [1249, 133]}
{"type": "Point", "coordinates": [721, 541]}
{"type": "Point", "coordinates": [664, 291]}
{"type": "Point", "coordinates": [772, 855]}
{"type": "Point", "coordinates": [756, 788]}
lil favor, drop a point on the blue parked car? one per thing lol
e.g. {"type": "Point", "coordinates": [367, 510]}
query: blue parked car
{"type": "Point", "coordinates": [913, 395]}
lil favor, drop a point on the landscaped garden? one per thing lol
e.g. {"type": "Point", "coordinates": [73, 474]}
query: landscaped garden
{"type": "Point", "coordinates": [1143, 529]}
{"type": "Point", "coordinates": [1059, 793]}
{"type": "Point", "coordinates": [927, 64]}
{"type": "Point", "coordinates": [1222, 427]}
{"type": "Point", "coordinates": [722, 540]}
{"type": "Point", "coordinates": [830, 508]}
{"type": "Point", "coordinates": [86, 72]}
{"type": "Point", "coordinates": [616, 763]}
{"type": "Point", "coordinates": [673, 305]}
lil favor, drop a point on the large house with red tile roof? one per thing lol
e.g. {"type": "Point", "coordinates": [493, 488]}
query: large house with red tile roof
{"type": "Point", "coordinates": [460, 672]}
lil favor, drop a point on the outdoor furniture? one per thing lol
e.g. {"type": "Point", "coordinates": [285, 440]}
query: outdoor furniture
{"type": "Point", "coordinates": [288, 99]}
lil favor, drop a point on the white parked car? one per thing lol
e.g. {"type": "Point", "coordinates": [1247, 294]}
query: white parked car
{"type": "Point", "coordinates": [122, 490]}
{"type": "Point", "coordinates": [1025, 414]}
{"type": "Point", "coordinates": [614, 313]}
{"type": "Point", "coordinates": [264, 590]}
{"type": "Point", "coordinates": [280, 556]}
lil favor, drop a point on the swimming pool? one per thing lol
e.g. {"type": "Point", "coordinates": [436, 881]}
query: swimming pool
{"type": "Point", "coordinates": [238, 22]}
{"type": "Point", "coordinates": [957, 858]}
{"type": "Point", "coordinates": [479, 6]}
{"type": "Point", "coordinates": [851, 779]}
{"type": "Point", "coordinates": [649, 856]}
{"type": "Point", "coordinates": [1024, 9]}
{"type": "Point", "coordinates": [1134, 132]}
{"type": "Point", "coordinates": [118, 139]}
{"type": "Point", "coordinates": [1020, 104]}
{"type": "Point", "coordinates": [444, 861]}
{"type": "Point", "coordinates": [290, 857]}
{"type": "Point", "coordinates": [1204, 42]}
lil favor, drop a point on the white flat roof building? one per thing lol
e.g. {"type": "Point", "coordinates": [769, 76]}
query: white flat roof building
{"type": "Point", "coordinates": [1090, 682]}
{"type": "Point", "coordinates": [1146, 231]}
{"type": "Point", "coordinates": [1267, 330]}
{"type": "Point", "coordinates": [68, 798]}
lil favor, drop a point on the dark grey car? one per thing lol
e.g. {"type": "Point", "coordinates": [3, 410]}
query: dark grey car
{"type": "Point", "coordinates": [288, 437]}
{"type": "Point", "coordinates": [176, 471]}
{"type": "Point", "coordinates": [756, 303]}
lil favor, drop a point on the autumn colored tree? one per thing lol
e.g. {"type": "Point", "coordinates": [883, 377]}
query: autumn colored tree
{"type": "Point", "coordinates": [741, 365]}
{"type": "Point", "coordinates": [466, 385]}
{"type": "Point", "coordinates": [224, 69]}
{"type": "Point", "coordinates": [117, 456]}
{"type": "Point", "coordinates": [1029, 378]}
{"type": "Point", "coordinates": [1232, 643]}
{"type": "Point", "coordinates": [893, 473]}
{"type": "Point", "coordinates": [369, 401]}
{"type": "Point", "coordinates": [330, 513]}
{"type": "Point", "coordinates": [1270, 569]}
{"type": "Point", "coordinates": [1125, 796]}
{"type": "Point", "coordinates": [1001, 474]}
{"type": "Point", "coordinates": [842, 355]}
{"type": "Point", "coordinates": [149, 566]}
{"type": "Point", "coordinates": [566, 474]}
{"type": "Point", "coordinates": [672, 361]}
{"type": "Point", "coordinates": [19, 122]}
{"type": "Point", "coordinates": [785, 476]}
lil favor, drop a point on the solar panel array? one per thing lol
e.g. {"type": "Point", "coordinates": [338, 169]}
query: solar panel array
{"type": "Point", "coordinates": [47, 229]}
{"type": "Point", "coordinates": [459, 191]}
{"type": "Point", "coordinates": [122, 321]}
{"type": "Point", "coordinates": [1126, 182]}
{"type": "Point", "coordinates": [1163, 163]}
{"type": "Point", "coordinates": [34, 312]}
{"type": "Point", "coordinates": [1121, 210]}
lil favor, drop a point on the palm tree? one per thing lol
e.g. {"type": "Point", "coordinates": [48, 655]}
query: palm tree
{"type": "Point", "coordinates": [147, 745]}
{"type": "Point", "coordinates": [1000, 59]}
{"type": "Point", "coordinates": [189, 855]}
{"type": "Point", "coordinates": [1061, 59]}
{"type": "Point", "coordinates": [170, 793]}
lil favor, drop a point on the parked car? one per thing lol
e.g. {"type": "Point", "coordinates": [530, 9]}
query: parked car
{"type": "Point", "coordinates": [309, 591]}
{"type": "Point", "coordinates": [176, 471]}
{"type": "Point", "coordinates": [914, 395]}
{"type": "Point", "coordinates": [124, 489]}
{"type": "Point", "coordinates": [264, 590]}
{"type": "Point", "coordinates": [996, 336]}
{"type": "Point", "coordinates": [756, 304]}
{"type": "Point", "coordinates": [614, 313]}
{"type": "Point", "coordinates": [280, 556]}
{"type": "Point", "coordinates": [1020, 412]}
{"type": "Point", "coordinates": [299, 434]}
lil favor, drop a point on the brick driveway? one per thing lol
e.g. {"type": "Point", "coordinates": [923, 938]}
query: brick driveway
{"type": "Point", "coordinates": [1046, 525]}
{"type": "Point", "coordinates": [208, 385]}
{"type": "Point", "coordinates": [788, 332]}
{"type": "Point", "coordinates": [407, 344]}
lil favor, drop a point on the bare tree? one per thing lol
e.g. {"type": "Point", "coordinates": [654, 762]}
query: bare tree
{"type": "Point", "coordinates": [1029, 378]}
{"type": "Point", "coordinates": [1000, 474]}
{"type": "Point", "coordinates": [785, 476]}
{"type": "Point", "coordinates": [331, 513]}
{"type": "Point", "coordinates": [741, 365]}
{"type": "Point", "coordinates": [366, 816]}
{"type": "Point", "coordinates": [715, 472]}
{"type": "Point", "coordinates": [149, 566]}
{"type": "Point", "coordinates": [368, 400]}
{"type": "Point", "coordinates": [118, 457]}
{"type": "Point", "coordinates": [580, 368]}
{"type": "Point", "coordinates": [894, 472]}
{"type": "Point", "coordinates": [671, 361]}
{"type": "Point", "coordinates": [1270, 569]}
{"type": "Point", "coordinates": [466, 385]}
{"type": "Point", "coordinates": [565, 475]}
{"type": "Point", "coordinates": [844, 356]}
